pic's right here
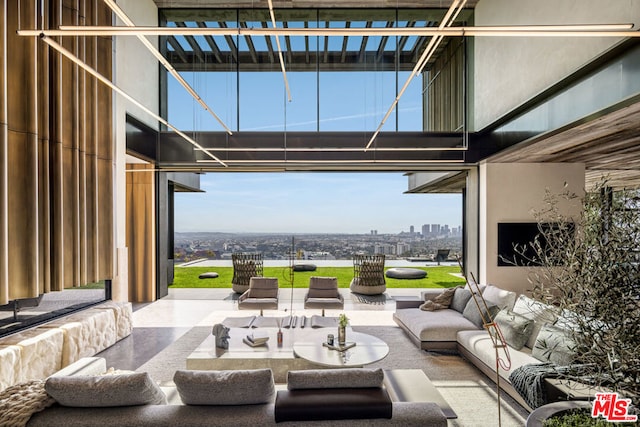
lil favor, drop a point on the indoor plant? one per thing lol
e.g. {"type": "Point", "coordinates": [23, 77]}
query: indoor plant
{"type": "Point", "coordinates": [343, 322]}
{"type": "Point", "coordinates": [588, 267]}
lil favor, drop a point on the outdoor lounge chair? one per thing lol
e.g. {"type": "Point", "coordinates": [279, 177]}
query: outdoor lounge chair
{"type": "Point", "coordinates": [245, 266]}
{"type": "Point", "coordinates": [262, 294]}
{"type": "Point", "coordinates": [323, 293]}
{"type": "Point", "coordinates": [368, 275]}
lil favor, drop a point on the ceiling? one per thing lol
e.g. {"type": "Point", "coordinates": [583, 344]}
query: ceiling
{"type": "Point", "coordinates": [338, 53]}
{"type": "Point", "coordinates": [609, 146]}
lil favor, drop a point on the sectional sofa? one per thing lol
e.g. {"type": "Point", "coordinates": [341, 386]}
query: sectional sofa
{"type": "Point", "coordinates": [326, 397]}
{"type": "Point", "coordinates": [527, 326]}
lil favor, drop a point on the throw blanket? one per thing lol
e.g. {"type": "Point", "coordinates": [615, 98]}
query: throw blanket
{"type": "Point", "coordinates": [19, 402]}
{"type": "Point", "coordinates": [528, 380]}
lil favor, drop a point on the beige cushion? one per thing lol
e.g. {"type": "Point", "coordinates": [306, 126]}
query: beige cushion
{"type": "Point", "coordinates": [323, 287]}
{"type": "Point", "coordinates": [472, 314]}
{"type": "Point", "coordinates": [537, 311]}
{"type": "Point", "coordinates": [241, 387]}
{"type": "Point", "coordinates": [515, 328]}
{"type": "Point", "coordinates": [129, 389]}
{"type": "Point", "coordinates": [554, 345]}
{"type": "Point", "coordinates": [334, 378]}
{"type": "Point", "coordinates": [500, 297]}
{"type": "Point", "coordinates": [263, 287]}
{"type": "Point", "coordinates": [440, 302]}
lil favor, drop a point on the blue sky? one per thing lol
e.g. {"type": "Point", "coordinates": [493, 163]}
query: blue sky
{"type": "Point", "coordinates": [297, 202]}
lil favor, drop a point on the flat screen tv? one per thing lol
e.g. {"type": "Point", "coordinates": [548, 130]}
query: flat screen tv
{"type": "Point", "coordinates": [519, 235]}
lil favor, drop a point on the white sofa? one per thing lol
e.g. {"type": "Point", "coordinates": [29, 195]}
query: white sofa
{"type": "Point", "coordinates": [175, 412]}
{"type": "Point", "coordinates": [450, 329]}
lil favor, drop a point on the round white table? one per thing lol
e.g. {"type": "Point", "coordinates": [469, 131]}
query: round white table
{"type": "Point", "coordinates": [368, 349]}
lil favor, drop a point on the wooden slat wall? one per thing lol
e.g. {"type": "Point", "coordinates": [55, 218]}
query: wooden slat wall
{"type": "Point", "coordinates": [56, 189]}
{"type": "Point", "coordinates": [445, 80]}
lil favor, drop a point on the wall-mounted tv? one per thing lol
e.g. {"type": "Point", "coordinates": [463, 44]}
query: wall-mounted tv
{"type": "Point", "coordinates": [512, 235]}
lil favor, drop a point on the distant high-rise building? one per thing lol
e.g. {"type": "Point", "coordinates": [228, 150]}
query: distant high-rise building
{"type": "Point", "coordinates": [384, 249]}
{"type": "Point", "coordinates": [402, 248]}
{"type": "Point", "coordinates": [425, 230]}
{"type": "Point", "coordinates": [411, 230]}
{"type": "Point", "coordinates": [445, 229]}
{"type": "Point", "coordinates": [435, 229]}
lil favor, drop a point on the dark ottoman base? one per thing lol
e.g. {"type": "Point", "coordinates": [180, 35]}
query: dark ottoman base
{"type": "Point", "coordinates": [208, 275]}
{"type": "Point", "coordinates": [406, 273]}
{"type": "Point", "coordinates": [304, 267]}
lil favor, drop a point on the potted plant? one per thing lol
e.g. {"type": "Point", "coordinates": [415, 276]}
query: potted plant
{"type": "Point", "coordinates": [343, 322]}
{"type": "Point", "coordinates": [589, 268]}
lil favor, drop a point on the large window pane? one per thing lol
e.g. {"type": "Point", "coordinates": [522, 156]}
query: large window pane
{"type": "Point", "coordinates": [356, 101]}
{"type": "Point", "coordinates": [218, 91]}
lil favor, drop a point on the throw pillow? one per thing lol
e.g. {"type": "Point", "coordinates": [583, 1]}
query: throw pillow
{"type": "Point", "coordinates": [515, 328]}
{"type": "Point", "coordinates": [106, 390]}
{"type": "Point", "coordinates": [442, 301]}
{"type": "Point", "coordinates": [554, 345]}
{"type": "Point", "coordinates": [472, 314]}
{"type": "Point", "coordinates": [335, 378]}
{"type": "Point", "coordinates": [537, 311]}
{"type": "Point", "coordinates": [243, 387]}
{"type": "Point", "coordinates": [500, 297]}
{"type": "Point", "coordinates": [460, 299]}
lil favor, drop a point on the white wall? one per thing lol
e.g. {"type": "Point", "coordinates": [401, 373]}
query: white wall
{"type": "Point", "coordinates": [509, 192]}
{"type": "Point", "coordinates": [511, 70]}
{"type": "Point", "coordinates": [136, 72]}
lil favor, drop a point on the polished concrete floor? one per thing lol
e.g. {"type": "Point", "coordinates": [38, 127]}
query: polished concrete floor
{"type": "Point", "coordinates": [159, 324]}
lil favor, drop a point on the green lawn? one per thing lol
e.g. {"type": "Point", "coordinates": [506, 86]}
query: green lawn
{"type": "Point", "coordinates": [437, 277]}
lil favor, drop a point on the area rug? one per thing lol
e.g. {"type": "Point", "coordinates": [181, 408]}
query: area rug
{"type": "Point", "coordinates": [470, 393]}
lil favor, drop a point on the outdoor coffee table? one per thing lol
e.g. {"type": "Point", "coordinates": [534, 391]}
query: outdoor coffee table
{"type": "Point", "coordinates": [367, 349]}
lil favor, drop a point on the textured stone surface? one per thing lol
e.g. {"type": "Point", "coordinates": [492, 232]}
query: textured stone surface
{"type": "Point", "coordinates": [10, 366]}
{"type": "Point", "coordinates": [41, 351]}
{"type": "Point", "coordinates": [123, 312]}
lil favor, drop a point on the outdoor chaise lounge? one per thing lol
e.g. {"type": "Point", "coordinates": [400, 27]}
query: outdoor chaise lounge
{"type": "Point", "coordinates": [262, 294]}
{"type": "Point", "coordinates": [323, 293]}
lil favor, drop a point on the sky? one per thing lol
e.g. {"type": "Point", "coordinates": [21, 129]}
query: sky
{"type": "Point", "coordinates": [304, 202]}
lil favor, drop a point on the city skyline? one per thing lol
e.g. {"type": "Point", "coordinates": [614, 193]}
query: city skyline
{"type": "Point", "coordinates": [352, 203]}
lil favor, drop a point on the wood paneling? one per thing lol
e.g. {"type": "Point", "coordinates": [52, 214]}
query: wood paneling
{"type": "Point", "coordinates": [609, 146]}
{"type": "Point", "coordinates": [141, 233]}
{"type": "Point", "coordinates": [56, 192]}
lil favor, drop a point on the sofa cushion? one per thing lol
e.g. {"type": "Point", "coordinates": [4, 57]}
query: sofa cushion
{"type": "Point", "coordinates": [440, 302]}
{"type": "Point", "coordinates": [500, 297]}
{"type": "Point", "coordinates": [554, 345]}
{"type": "Point", "coordinates": [103, 391]}
{"type": "Point", "coordinates": [480, 345]}
{"type": "Point", "coordinates": [242, 387]}
{"type": "Point", "coordinates": [515, 328]}
{"type": "Point", "coordinates": [433, 326]}
{"type": "Point", "coordinates": [537, 311]}
{"type": "Point", "coordinates": [334, 378]}
{"type": "Point", "coordinates": [472, 313]}
{"type": "Point", "coordinates": [460, 299]}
